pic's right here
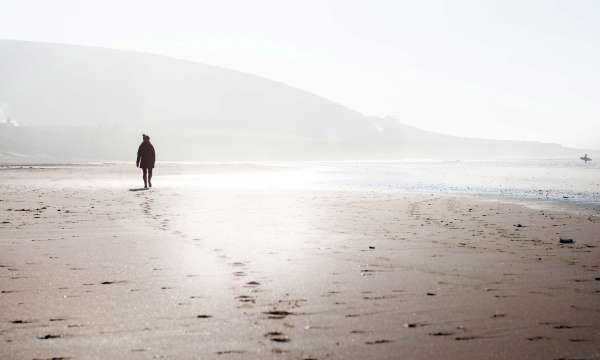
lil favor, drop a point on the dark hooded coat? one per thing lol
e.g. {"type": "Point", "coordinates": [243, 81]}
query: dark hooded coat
{"type": "Point", "coordinates": [146, 155]}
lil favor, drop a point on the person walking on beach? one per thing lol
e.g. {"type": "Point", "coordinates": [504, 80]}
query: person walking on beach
{"type": "Point", "coordinates": [145, 160]}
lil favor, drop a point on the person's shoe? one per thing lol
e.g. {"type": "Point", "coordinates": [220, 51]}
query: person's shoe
{"type": "Point", "coordinates": [150, 184]}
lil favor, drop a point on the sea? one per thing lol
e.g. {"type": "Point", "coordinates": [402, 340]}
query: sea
{"type": "Point", "coordinates": [540, 181]}
{"type": "Point", "coordinates": [550, 181]}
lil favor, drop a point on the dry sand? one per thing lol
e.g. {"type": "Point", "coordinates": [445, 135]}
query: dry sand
{"type": "Point", "coordinates": [96, 271]}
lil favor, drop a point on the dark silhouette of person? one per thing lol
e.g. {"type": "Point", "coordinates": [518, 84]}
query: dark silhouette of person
{"type": "Point", "coordinates": [145, 160]}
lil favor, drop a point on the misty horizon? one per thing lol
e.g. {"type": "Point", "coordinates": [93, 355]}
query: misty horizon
{"type": "Point", "coordinates": [6, 119]}
{"type": "Point", "coordinates": [99, 101]}
{"type": "Point", "coordinates": [484, 70]}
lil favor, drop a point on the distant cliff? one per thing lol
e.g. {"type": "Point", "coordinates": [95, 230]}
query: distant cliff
{"type": "Point", "coordinates": [79, 103]}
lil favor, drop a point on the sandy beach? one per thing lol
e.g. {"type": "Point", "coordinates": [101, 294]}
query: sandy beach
{"type": "Point", "coordinates": [92, 267]}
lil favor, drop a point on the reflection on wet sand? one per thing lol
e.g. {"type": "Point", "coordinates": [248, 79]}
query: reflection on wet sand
{"type": "Point", "coordinates": [181, 271]}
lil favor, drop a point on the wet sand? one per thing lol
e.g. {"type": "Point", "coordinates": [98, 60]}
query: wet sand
{"type": "Point", "coordinates": [89, 269]}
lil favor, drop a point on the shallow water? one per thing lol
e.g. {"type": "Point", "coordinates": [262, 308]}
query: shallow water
{"type": "Point", "coordinates": [552, 181]}
{"type": "Point", "coordinates": [544, 180]}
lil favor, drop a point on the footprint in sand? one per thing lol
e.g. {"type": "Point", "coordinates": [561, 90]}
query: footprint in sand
{"type": "Point", "coordinates": [538, 338]}
{"type": "Point", "coordinates": [367, 272]}
{"type": "Point", "coordinates": [277, 336]}
{"type": "Point", "coordinates": [226, 352]}
{"type": "Point", "coordinates": [562, 326]}
{"type": "Point", "coordinates": [415, 325]}
{"type": "Point", "coordinates": [466, 338]}
{"type": "Point", "coordinates": [112, 282]}
{"type": "Point", "coordinates": [278, 314]}
{"type": "Point", "coordinates": [441, 333]}
{"type": "Point", "coordinates": [375, 342]}
{"type": "Point", "coordinates": [246, 299]}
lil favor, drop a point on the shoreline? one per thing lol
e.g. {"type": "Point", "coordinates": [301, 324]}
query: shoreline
{"type": "Point", "coordinates": [562, 199]}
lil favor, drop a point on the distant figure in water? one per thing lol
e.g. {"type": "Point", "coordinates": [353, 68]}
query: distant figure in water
{"type": "Point", "coordinates": [585, 158]}
{"type": "Point", "coordinates": [145, 160]}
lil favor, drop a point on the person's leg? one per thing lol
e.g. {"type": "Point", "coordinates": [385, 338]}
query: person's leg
{"type": "Point", "coordinates": [150, 177]}
{"type": "Point", "coordinates": [145, 176]}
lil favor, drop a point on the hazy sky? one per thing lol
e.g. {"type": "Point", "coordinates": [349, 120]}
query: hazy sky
{"type": "Point", "coordinates": [497, 69]}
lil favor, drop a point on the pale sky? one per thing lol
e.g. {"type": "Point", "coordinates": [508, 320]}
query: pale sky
{"type": "Point", "coordinates": [503, 69]}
